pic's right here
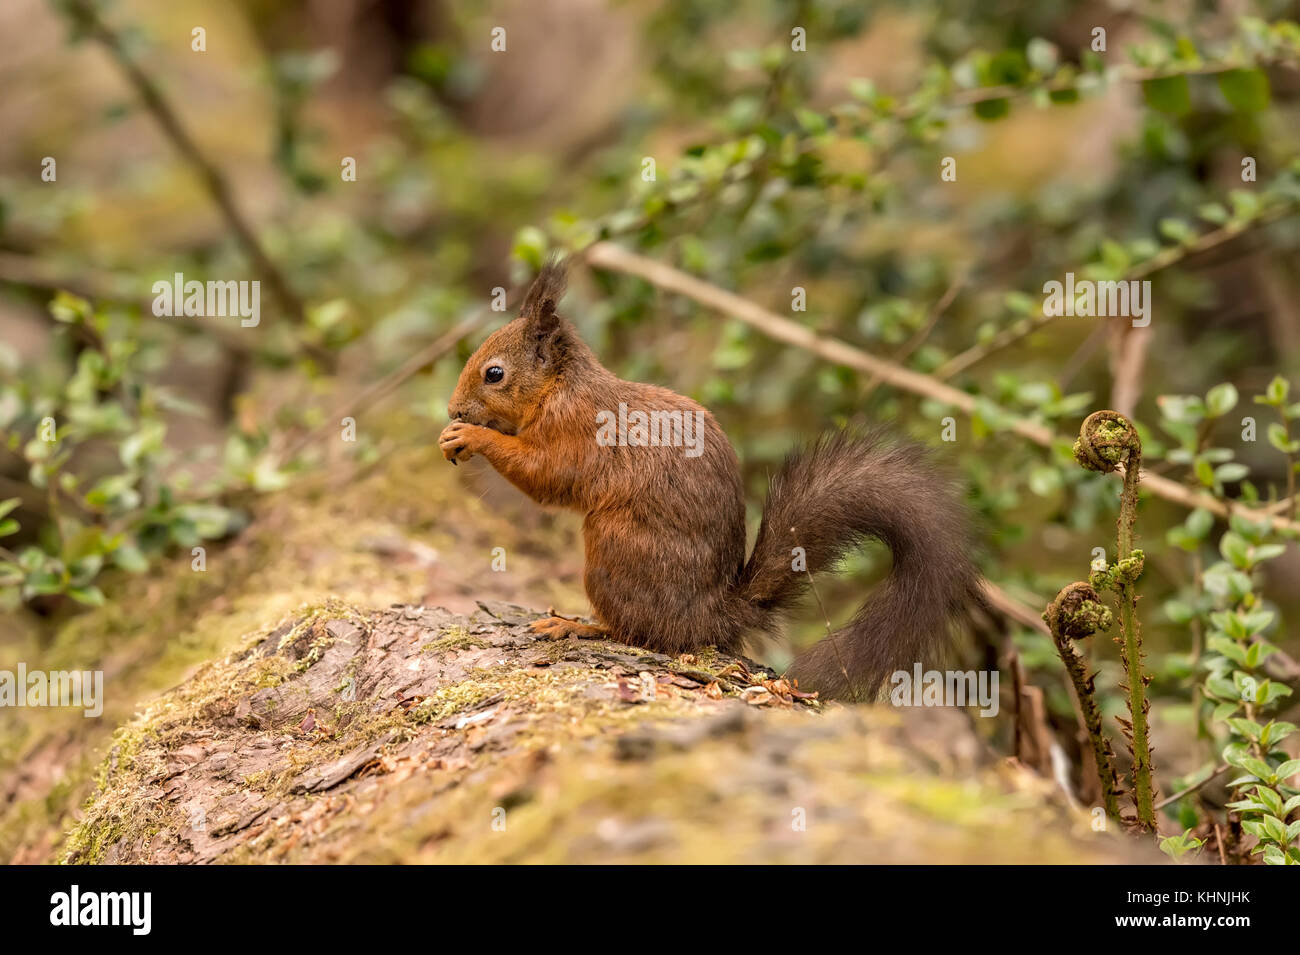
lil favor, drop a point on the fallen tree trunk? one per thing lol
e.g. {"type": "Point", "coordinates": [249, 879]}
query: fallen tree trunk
{"type": "Point", "coordinates": [417, 735]}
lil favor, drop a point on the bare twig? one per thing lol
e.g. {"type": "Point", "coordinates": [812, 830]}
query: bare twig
{"type": "Point", "coordinates": [1170, 800]}
{"type": "Point", "coordinates": [98, 286]}
{"type": "Point", "coordinates": [922, 333]}
{"type": "Point", "coordinates": [88, 18]}
{"type": "Point", "coordinates": [1128, 359]}
{"type": "Point", "coordinates": [607, 256]}
{"type": "Point", "coordinates": [1162, 260]}
{"type": "Point", "coordinates": [1080, 357]}
{"type": "Point", "coordinates": [355, 404]}
{"type": "Point", "coordinates": [830, 635]}
{"type": "Point", "coordinates": [1009, 606]}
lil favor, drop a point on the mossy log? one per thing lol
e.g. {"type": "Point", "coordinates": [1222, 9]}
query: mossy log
{"type": "Point", "coordinates": [416, 735]}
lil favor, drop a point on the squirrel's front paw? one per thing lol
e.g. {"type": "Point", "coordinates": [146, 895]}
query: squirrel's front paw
{"type": "Point", "coordinates": [457, 441]}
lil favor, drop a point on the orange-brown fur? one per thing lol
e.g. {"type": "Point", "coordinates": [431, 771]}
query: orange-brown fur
{"type": "Point", "coordinates": [665, 532]}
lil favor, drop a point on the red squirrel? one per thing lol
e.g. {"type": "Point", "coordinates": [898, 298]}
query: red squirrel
{"type": "Point", "coordinates": [665, 519]}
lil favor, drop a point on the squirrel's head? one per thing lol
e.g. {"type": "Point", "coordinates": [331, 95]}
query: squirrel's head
{"type": "Point", "coordinates": [505, 381]}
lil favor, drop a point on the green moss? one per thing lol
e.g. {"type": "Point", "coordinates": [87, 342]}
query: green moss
{"type": "Point", "coordinates": [259, 780]}
{"type": "Point", "coordinates": [453, 638]}
{"type": "Point", "coordinates": [133, 812]}
{"type": "Point", "coordinates": [545, 690]}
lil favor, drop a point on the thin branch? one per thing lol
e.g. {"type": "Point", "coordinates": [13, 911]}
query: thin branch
{"type": "Point", "coordinates": [1121, 74]}
{"type": "Point", "coordinates": [355, 404]}
{"type": "Point", "coordinates": [1080, 357]}
{"type": "Point", "coordinates": [1167, 257]}
{"type": "Point", "coordinates": [97, 286]}
{"type": "Point", "coordinates": [915, 342]}
{"type": "Point", "coordinates": [830, 635]}
{"type": "Point", "coordinates": [1170, 800]}
{"type": "Point", "coordinates": [1010, 607]}
{"type": "Point", "coordinates": [1128, 361]}
{"type": "Point", "coordinates": [1277, 507]}
{"type": "Point", "coordinates": [88, 18]}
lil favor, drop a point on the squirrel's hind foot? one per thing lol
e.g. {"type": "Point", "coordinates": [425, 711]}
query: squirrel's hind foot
{"type": "Point", "coordinates": [560, 628]}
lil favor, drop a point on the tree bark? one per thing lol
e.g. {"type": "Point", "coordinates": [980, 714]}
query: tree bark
{"type": "Point", "coordinates": [416, 735]}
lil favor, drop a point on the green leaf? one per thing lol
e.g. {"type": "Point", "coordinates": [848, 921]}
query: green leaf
{"type": "Point", "coordinates": [89, 595]}
{"type": "Point", "coordinates": [1042, 55]}
{"type": "Point", "coordinates": [1271, 800]}
{"type": "Point", "coordinates": [1256, 767]}
{"type": "Point", "coordinates": [1221, 399]}
{"type": "Point", "coordinates": [1007, 68]}
{"type": "Point", "coordinates": [1245, 205]}
{"type": "Point", "coordinates": [1275, 828]}
{"type": "Point", "coordinates": [1257, 621]}
{"type": "Point", "coordinates": [1288, 769]}
{"type": "Point", "coordinates": [11, 575]}
{"type": "Point", "coordinates": [69, 308]}
{"type": "Point", "coordinates": [1204, 472]}
{"type": "Point", "coordinates": [1224, 710]}
{"type": "Point", "coordinates": [1245, 90]}
{"type": "Point", "coordinates": [1272, 691]}
{"type": "Point", "coordinates": [1177, 230]}
{"type": "Point", "coordinates": [44, 582]}
{"type": "Point", "coordinates": [1256, 653]}
{"type": "Point", "coordinates": [1186, 409]}
{"type": "Point", "coordinates": [1180, 845]}
{"type": "Point", "coordinates": [812, 121]}
{"type": "Point", "coordinates": [1247, 728]}
{"type": "Point", "coordinates": [1228, 648]}
{"type": "Point", "coordinates": [1276, 731]}
{"type": "Point", "coordinates": [1213, 212]}
{"type": "Point", "coordinates": [1278, 390]}
{"type": "Point", "coordinates": [530, 246]}
{"type": "Point", "coordinates": [992, 109]}
{"type": "Point", "coordinates": [1277, 437]}
{"type": "Point", "coordinates": [1249, 805]}
{"type": "Point", "coordinates": [1168, 94]}
{"type": "Point", "coordinates": [1268, 551]}
{"type": "Point", "coordinates": [1235, 550]}
{"type": "Point", "coordinates": [1044, 480]}
{"type": "Point", "coordinates": [1178, 611]}
{"type": "Point", "coordinates": [1231, 471]}
{"type": "Point", "coordinates": [130, 559]}
{"type": "Point", "coordinates": [1199, 522]}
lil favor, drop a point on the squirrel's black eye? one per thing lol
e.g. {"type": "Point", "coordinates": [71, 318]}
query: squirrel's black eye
{"type": "Point", "coordinates": [494, 374]}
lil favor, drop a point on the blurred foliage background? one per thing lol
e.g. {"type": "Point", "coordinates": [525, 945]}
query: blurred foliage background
{"type": "Point", "coordinates": [796, 145]}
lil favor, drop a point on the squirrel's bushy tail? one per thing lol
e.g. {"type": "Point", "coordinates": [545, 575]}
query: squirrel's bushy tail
{"type": "Point", "coordinates": [828, 498]}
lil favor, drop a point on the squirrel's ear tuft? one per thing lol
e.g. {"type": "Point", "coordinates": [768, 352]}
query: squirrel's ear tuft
{"type": "Point", "coordinates": [544, 325]}
{"type": "Point", "coordinates": [547, 289]}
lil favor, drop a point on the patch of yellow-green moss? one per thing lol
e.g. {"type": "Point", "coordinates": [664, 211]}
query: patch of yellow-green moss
{"type": "Point", "coordinates": [453, 638]}
{"type": "Point", "coordinates": [132, 811]}
{"type": "Point", "coordinates": [544, 689]}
